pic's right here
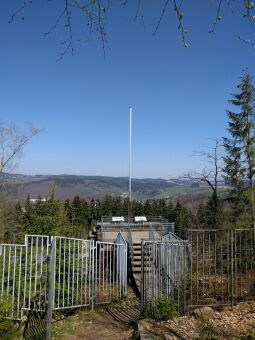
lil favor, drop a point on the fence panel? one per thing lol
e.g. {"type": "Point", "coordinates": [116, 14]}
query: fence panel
{"type": "Point", "coordinates": [223, 271]}
{"type": "Point", "coordinates": [82, 272]}
{"type": "Point", "coordinates": [165, 272]}
{"type": "Point", "coordinates": [244, 265]}
{"type": "Point", "coordinates": [12, 279]}
{"type": "Point", "coordinates": [36, 272]}
{"type": "Point", "coordinates": [23, 275]}
{"type": "Point", "coordinates": [110, 271]}
{"type": "Point", "coordinates": [122, 262]}
{"type": "Point", "coordinates": [72, 273]}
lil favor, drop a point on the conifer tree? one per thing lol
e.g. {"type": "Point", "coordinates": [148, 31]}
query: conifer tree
{"type": "Point", "coordinates": [239, 160]}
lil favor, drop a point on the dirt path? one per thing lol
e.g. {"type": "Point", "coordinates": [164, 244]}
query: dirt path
{"type": "Point", "coordinates": [91, 325]}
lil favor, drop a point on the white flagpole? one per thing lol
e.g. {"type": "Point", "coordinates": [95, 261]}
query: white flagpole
{"type": "Point", "coordinates": [130, 159]}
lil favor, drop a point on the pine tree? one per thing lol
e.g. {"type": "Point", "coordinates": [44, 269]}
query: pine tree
{"type": "Point", "coordinates": [239, 160]}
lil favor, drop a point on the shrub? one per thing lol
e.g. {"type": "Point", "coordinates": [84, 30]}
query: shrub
{"type": "Point", "coordinates": [206, 330]}
{"type": "Point", "coordinates": [7, 327]}
{"type": "Point", "coordinates": [163, 309]}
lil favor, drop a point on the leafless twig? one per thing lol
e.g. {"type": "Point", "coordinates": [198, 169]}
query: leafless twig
{"type": "Point", "coordinates": [12, 142]}
{"type": "Point", "coordinates": [180, 17]}
{"type": "Point", "coordinates": [217, 18]}
{"type": "Point", "coordinates": [161, 16]}
{"type": "Point", "coordinates": [19, 10]}
{"type": "Point", "coordinates": [247, 41]}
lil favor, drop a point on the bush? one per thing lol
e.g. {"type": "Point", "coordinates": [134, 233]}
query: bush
{"type": "Point", "coordinates": [163, 309]}
{"type": "Point", "coordinates": [7, 330]}
{"type": "Point", "coordinates": [7, 327]}
{"type": "Point", "coordinates": [206, 330]}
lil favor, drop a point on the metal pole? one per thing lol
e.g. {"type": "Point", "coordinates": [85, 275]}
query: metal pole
{"type": "Point", "coordinates": [142, 275]}
{"type": "Point", "coordinates": [232, 266]}
{"type": "Point", "coordinates": [130, 158]}
{"type": "Point", "coordinates": [50, 288]}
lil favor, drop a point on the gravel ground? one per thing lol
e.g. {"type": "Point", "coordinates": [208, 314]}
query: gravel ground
{"type": "Point", "coordinates": [231, 323]}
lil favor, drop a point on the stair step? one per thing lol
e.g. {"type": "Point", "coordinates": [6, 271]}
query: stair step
{"type": "Point", "coordinates": [137, 263]}
{"type": "Point", "coordinates": [136, 270]}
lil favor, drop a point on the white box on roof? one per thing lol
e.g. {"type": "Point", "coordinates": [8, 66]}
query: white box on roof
{"type": "Point", "coordinates": [140, 219]}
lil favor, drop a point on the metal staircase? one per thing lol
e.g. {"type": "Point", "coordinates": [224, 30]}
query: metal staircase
{"type": "Point", "coordinates": [136, 263]}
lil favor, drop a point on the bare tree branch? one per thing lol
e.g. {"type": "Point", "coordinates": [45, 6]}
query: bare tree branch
{"type": "Point", "coordinates": [96, 14]}
{"type": "Point", "coordinates": [12, 142]}
{"type": "Point", "coordinates": [247, 41]}
{"type": "Point", "coordinates": [19, 10]}
{"type": "Point", "coordinates": [161, 16]}
{"type": "Point", "coordinates": [139, 13]}
{"type": "Point", "coordinates": [212, 175]}
{"type": "Point", "coordinates": [218, 17]}
{"type": "Point", "coordinates": [180, 17]}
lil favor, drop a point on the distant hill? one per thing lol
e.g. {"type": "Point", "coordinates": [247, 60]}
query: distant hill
{"type": "Point", "coordinates": [67, 186]}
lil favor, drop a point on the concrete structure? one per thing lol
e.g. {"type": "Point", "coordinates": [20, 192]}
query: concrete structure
{"type": "Point", "coordinates": [134, 230]}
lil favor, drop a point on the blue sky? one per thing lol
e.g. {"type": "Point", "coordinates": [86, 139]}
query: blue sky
{"type": "Point", "coordinates": [179, 95]}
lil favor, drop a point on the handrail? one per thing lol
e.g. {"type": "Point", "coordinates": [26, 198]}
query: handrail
{"type": "Point", "coordinates": [170, 237]}
{"type": "Point", "coordinates": [151, 234]}
{"type": "Point", "coordinates": [136, 226]}
{"type": "Point", "coordinates": [120, 239]}
{"type": "Point", "coordinates": [130, 241]}
{"type": "Point", "coordinates": [155, 219]}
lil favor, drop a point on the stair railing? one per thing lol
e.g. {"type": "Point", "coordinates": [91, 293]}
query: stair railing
{"type": "Point", "coordinates": [130, 242]}
{"type": "Point", "coordinates": [151, 234]}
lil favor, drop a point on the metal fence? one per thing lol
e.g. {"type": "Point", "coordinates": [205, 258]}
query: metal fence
{"type": "Point", "coordinates": [110, 272]}
{"type": "Point", "coordinates": [212, 268]}
{"type": "Point", "coordinates": [60, 273]}
{"type": "Point", "coordinates": [223, 266]}
{"type": "Point", "coordinates": [165, 267]}
{"type": "Point", "coordinates": [170, 236]}
{"type": "Point", "coordinates": [23, 275]}
{"type": "Point", "coordinates": [72, 272]}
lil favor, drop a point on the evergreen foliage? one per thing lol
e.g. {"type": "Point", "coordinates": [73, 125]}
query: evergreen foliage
{"type": "Point", "coordinates": [75, 217]}
{"type": "Point", "coordinates": [239, 160]}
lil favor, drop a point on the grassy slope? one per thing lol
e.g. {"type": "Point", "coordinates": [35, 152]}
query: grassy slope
{"type": "Point", "coordinates": [67, 186]}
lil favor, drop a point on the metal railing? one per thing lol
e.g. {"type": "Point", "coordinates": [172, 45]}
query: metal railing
{"type": "Point", "coordinates": [223, 266]}
{"type": "Point", "coordinates": [170, 236]}
{"type": "Point", "coordinates": [122, 262]}
{"type": "Point", "coordinates": [151, 234]}
{"type": "Point", "coordinates": [165, 272]}
{"type": "Point", "coordinates": [130, 243]}
{"type": "Point", "coordinates": [56, 273]}
{"type": "Point", "coordinates": [12, 274]}
{"type": "Point", "coordinates": [219, 271]}
{"type": "Point", "coordinates": [110, 272]}
{"type": "Point", "coordinates": [23, 275]}
{"type": "Point", "coordinates": [72, 273]}
{"type": "Point", "coordinates": [131, 220]}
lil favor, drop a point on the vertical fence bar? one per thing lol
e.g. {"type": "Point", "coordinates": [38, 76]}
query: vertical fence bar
{"type": "Point", "coordinates": [142, 276]}
{"type": "Point", "coordinates": [51, 275]}
{"type": "Point", "coordinates": [93, 263]}
{"type": "Point", "coordinates": [232, 265]}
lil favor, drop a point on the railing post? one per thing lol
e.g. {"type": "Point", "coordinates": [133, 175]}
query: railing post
{"type": "Point", "coordinates": [232, 264]}
{"type": "Point", "coordinates": [142, 275]}
{"type": "Point", "coordinates": [50, 295]}
{"type": "Point", "coordinates": [93, 272]}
